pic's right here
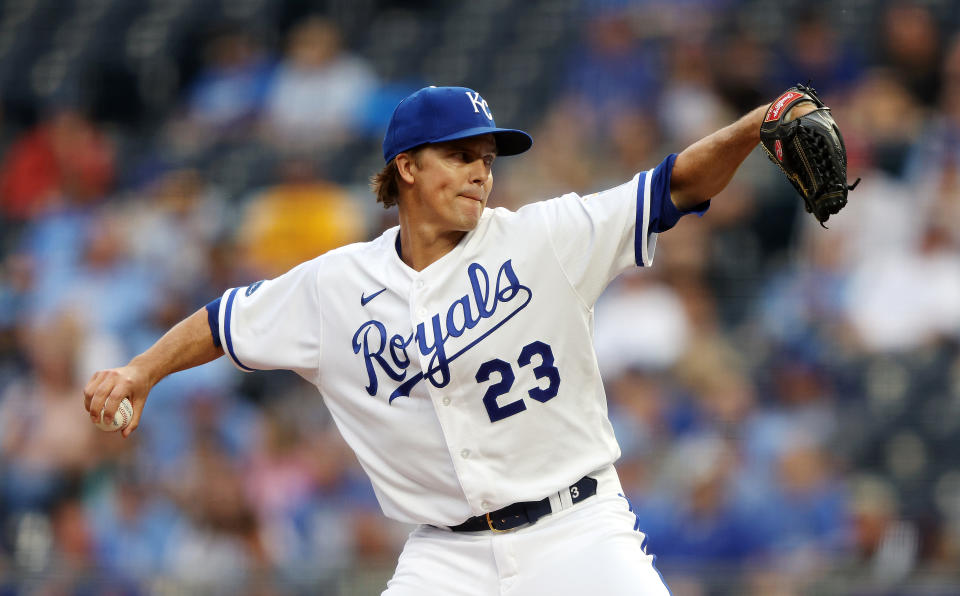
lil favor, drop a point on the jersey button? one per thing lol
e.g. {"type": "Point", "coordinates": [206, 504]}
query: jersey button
{"type": "Point", "coordinates": [422, 312]}
{"type": "Point", "coordinates": [419, 284]}
{"type": "Point", "coordinates": [446, 401]}
{"type": "Point", "coordinates": [465, 453]}
{"type": "Point", "coordinates": [485, 505]}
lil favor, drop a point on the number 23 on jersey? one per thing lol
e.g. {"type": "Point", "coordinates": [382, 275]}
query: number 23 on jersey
{"type": "Point", "coordinates": [545, 370]}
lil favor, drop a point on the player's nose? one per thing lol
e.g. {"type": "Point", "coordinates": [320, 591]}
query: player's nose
{"type": "Point", "coordinates": [479, 172]}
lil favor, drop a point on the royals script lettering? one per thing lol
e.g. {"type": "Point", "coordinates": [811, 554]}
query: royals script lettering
{"type": "Point", "coordinates": [385, 353]}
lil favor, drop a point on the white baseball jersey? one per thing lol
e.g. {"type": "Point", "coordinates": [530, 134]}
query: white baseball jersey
{"type": "Point", "coordinates": [472, 384]}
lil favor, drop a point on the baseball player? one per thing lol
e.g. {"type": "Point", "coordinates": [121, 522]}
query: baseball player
{"type": "Point", "coordinates": [455, 353]}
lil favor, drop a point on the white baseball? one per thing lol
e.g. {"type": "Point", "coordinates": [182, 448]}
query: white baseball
{"type": "Point", "coordinates": [121, 419]}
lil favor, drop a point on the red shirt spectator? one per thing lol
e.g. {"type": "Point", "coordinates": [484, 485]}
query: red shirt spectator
{"type": "Point", "coordinates": [64, 157]}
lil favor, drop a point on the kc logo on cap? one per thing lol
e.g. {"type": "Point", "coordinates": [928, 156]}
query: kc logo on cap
{"type": "Point", "coordinates": [438, 114]}
{"type": "Point", "coordinates": [479, 102]}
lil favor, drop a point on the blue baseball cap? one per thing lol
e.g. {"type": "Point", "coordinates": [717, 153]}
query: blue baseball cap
{"type": "Point", "coordinates": [437, 114]}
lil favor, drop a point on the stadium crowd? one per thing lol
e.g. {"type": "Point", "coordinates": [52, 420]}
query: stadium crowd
{"type": "Point", "coordinates": [787, 398]}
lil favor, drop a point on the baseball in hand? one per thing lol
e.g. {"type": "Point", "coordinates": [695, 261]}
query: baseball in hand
{"type": "Point", "coordinates": [121, 419]}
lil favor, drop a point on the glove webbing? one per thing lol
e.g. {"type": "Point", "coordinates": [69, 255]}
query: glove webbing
{"type": "Point", "coordinates": [819, 153]}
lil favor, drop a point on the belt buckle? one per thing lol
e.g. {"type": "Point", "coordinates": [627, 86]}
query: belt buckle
{"type": "Point", "coordinates": [490, 524]}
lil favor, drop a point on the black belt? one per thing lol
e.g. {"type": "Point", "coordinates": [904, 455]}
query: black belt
{"type": "Point", "coordinates": [527, 512]}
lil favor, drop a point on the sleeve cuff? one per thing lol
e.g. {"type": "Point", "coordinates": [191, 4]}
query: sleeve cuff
{"type": "Point", "coordinates": [644, 242]}
{"type": "Point", "coordinates": [655, 210]}
{"type": "Point", "coordinates": [227, 336]}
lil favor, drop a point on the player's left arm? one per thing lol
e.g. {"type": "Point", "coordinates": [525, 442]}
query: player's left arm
{"type": "Point", "coordinates": [706, 167]}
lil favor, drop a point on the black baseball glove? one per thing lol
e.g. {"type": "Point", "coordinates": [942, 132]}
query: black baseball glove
{"type": "Point", "coordinates": [809, 150]}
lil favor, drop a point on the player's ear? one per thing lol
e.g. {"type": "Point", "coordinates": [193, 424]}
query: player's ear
{"type": "Point", "coordinates": [406, 165]}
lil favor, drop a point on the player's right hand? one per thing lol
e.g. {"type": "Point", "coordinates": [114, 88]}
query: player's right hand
{"type": "Point", "coordinates": [107, 388]}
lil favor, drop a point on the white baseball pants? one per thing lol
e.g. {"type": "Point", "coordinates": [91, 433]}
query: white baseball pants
{"type": "Point", "coordinates": [590, 548]}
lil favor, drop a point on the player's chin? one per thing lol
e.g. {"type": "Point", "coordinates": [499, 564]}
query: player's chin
{"type": "Point", "coordinates": [470, 213]}
{"type": "Point", "coordinates": [468, 224]}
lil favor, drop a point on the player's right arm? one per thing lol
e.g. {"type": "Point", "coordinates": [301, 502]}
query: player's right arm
{"type": "Point", "coordinates": [189, 343]}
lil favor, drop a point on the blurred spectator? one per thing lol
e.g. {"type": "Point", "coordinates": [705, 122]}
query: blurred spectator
{"type": "Point", "coordinates": [64, 160]}
{"type": "Point", "coordinates": [911, 45]}
{"type": "Point", "coordinates": [72, 534]}
{"type": "Point", "coordinates": [647, 414]}
{"type": "Point", "coordinates": [802, 306]}
{"type": "Point", "coordinates": [319, 92]}
{"type": "Point", "coordinates": [711, 368]}
{"type": "Point", "coordinates": [815, 51]}
{"type": "Point", "coordinates": [697, 521]}
{"type": "Point", "coordinates": [689, 107]}
{"type": "Point", "coordinates": [44, 442]}
{"type": "Point", "coordinates": [634, 145]}
{"type": "Point", "coordinates": [725, 397]}
{"type": "Point", "coordinates": [296, 220]}
{"type": "Point", "coordinates": [207, 399]}
{"type": "Point", "coordinates": [217, 546]}
{"type": "Point", "coordinates": [743, 69]}
{"type": "Point", "coordinates": [806, 511]}
{"type": "Point", "coordinates": [639, 323]}
{"type": "Point", "coordinates": [909, 300]}
{"type": "Point", "coordinates": [800, 410]}
{"type": "Point", "coordinates": [934, 167]}
{"type": "Point", "coordinates": [228, 93]}
{"type": "Point", "coordinates": [91, 275]}
{"type": "Point", "coordinates": [561, 161]}
{"type": "Point", "coordinates": [176, 218]}
{"type": "Point", "coordinates": [881, 120]}
{"type": "Point", "coordinates": [640, 410]}
{"type": "Point", "coordinates": [297, 486]}
{"type": "Point", "coordinates": [611, 70]}
{"type": "Point", "coordinates": [132, 526]}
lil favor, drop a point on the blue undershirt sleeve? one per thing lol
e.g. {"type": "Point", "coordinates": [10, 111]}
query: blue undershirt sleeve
{"type": "Point", "coordinates": [213, 319]}
{"type": "Point", "coordinates": [663, 213]}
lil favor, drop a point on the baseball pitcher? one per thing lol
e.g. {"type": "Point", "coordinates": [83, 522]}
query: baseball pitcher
{"type": "Point", "coordinates": [455, 353]}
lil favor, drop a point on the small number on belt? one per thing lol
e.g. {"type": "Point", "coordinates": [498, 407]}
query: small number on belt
{"type": "Point", "coordinates": [574, 492]}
